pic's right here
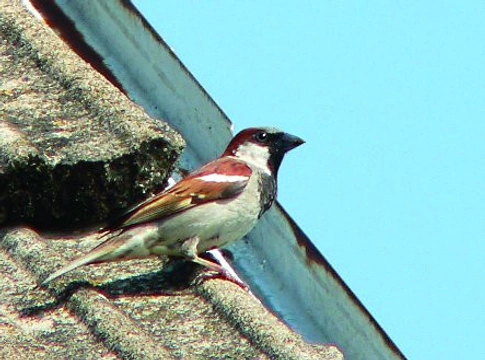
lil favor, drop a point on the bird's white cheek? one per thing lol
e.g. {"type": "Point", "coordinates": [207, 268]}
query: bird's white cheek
{"type": "Point", "coordinates": [255, 155]}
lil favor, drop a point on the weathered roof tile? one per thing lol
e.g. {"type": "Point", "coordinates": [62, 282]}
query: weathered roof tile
{"type": "Point", "coordinates": [73, 148]}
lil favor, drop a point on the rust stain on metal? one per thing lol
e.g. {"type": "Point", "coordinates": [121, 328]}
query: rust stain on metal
{"type": "Point", "coordinates": [315, 259]}
{"type": "Point", "coordinates": [65, 28]}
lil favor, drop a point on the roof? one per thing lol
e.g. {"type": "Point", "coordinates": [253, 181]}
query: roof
{"type": "Point", "coordinates": [288, 274]}
{"type": "Point", "coordinates": [62, 113]}
{"type": "Point", "coordinates": [138, 310]}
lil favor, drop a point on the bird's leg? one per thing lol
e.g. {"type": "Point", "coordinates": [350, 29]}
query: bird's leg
{"type": "Point", "coordinates": [189, 250]}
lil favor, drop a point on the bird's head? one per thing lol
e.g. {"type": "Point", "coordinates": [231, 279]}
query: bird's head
{"type": "Point", "coordinates": [264, 147]}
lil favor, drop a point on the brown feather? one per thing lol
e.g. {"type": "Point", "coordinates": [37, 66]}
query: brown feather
{"type": "Point", "coordinates": [191, 191]}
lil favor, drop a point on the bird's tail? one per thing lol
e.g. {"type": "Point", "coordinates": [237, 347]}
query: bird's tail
{"type": "Point", "coordinates": [123, 245]}
{"type": "Point", "coordinates": [100, 253]}
{"type": "Point", "coordinates": [83, 260]}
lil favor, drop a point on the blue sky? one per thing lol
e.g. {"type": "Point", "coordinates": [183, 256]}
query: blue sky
{"type": "Point", "coordinates": [390, 99]}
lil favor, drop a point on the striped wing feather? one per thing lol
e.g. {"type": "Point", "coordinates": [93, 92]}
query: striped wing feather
{"type": "Point", "coordinates": [220, 179]}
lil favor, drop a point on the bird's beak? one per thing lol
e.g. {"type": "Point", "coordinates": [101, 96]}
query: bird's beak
{"type": "Point", "coordinates": [288, 142]}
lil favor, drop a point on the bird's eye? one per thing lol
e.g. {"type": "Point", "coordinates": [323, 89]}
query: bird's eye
{"type": "Point", "coordinates": [261, 136]}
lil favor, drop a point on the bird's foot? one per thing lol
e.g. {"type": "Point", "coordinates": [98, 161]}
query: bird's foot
{"type": "Point", "coordinates": [226, 276]}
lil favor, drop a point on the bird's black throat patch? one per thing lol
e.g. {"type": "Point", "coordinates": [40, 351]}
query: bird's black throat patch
{"type": "Point", "coordinates": [268, 190]}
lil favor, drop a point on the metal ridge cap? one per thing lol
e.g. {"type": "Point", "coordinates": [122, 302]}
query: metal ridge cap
{"type": "Point", "coordinates": [292, 277]}
{"type": "Point", "coordinates": [119, 43]}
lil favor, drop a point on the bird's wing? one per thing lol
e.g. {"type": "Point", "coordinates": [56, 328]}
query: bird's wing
{"type": "Point", "coordinates": [220, 179]}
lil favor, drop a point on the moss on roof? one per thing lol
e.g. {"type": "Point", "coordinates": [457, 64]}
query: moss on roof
{"type": "Point", "coordinates": [73, 148]}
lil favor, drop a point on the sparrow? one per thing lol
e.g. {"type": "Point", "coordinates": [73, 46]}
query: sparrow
{"type": "Point", "coordinates": [210, 208]}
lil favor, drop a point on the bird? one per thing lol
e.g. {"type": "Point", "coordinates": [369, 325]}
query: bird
{"type": "Point", "coordinates": [210, 208]}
